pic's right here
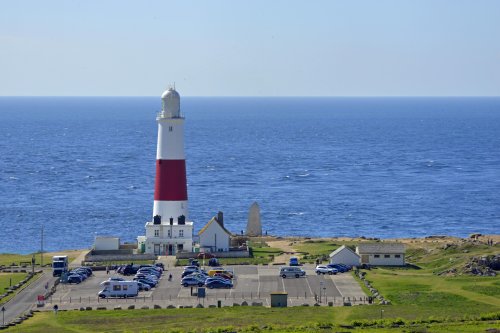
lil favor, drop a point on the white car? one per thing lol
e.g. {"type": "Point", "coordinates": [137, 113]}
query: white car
{"type": "Point", "coordinates": [322, 269]}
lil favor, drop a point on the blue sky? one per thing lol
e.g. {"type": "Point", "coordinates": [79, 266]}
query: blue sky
{"type": "Point", "coordinates": [250, 48]}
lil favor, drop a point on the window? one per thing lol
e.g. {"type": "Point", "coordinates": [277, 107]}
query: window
{"type": "Point", "coordinates": [387, 255]}
{"type": "Point", "coordinates": [157, 233]}
{"type": "Point", "coordinates": [169, 233]}
{"type": "Point", "coordinates": [377, 256]}
{"type": "Point", "coordinates": [397, 256]}
{"type": "Point", "coordinates": [125, 287]}
{"type": "Point", "coordinates": [117, 287]}
{"type": "Point", "coordinates": [170, 128]}
{"type": "Point", "coordinates": [181, 233]}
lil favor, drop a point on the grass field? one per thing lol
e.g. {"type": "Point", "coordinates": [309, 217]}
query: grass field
{"type": "Point", "coordinates": [8, 259]}
{"type": "Point", "coordinates": [242, 319]}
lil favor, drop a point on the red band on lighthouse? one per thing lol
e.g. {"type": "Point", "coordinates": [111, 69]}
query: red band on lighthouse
{"type": "Point", "coordinates": [170, 182]}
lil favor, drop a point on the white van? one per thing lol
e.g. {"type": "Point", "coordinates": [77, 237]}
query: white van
{"type": "Point", "coordinates": [119, 289]}
{"type": "Point", "coordinates": [292, 272]}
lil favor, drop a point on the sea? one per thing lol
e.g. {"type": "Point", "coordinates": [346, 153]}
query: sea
{"type": "Point", "coordinates": [81, 167]}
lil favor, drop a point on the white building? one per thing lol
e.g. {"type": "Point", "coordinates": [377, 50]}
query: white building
{"type": "Point", "coordinates": [106, 243]}
{"type": "Point", "coordinates": [344, 255]}
{"type": "Point", "coordinates": [170, 231]}
{"type": "Point", "coordinates": [382, 254]}
{"type": "Point", "coordinates": [214, 237]}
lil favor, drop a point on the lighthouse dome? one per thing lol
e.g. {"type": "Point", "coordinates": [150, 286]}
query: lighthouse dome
{"type": "Point", "coordinates": [171, 103]}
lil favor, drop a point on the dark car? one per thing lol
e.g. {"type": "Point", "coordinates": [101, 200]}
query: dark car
{"type": "Point", "coordinates": [213, 262]}
{"type": "Point", "coordinates": [143, 286]}
{"type": "Point", "coordinates": [339, 268]}
{"type": "Point", "coordinates": [146, 281]}
{"type": "Point", "coordinates": [74, 278]}
{"type": "Point", "coordinates": [216, 283]}
{"type": "Point", "coordinates": [130, 270]}
{"type": "Point", "coordinates": [160, 264]}
{"type": "Point", "coordinates": [204, 255]}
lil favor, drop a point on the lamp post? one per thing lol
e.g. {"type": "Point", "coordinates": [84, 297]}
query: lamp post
{"type": "Point", "coordinates": [381, 313]}
{"type": "Point", "coordinates": [3, 315]}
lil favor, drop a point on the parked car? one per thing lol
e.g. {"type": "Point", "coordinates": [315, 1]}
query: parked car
{"type": "Point", "coordinates": [150, 283]}
{"type": "Point", "coordinates": [218, 283]}
{"type": "Point", "coordinates": [130, 269]}
{"type": "Point", "coordinates": [338, 267]}
{"type": "Point", "coordinates": [192, 281]}
{"type": "Point", "coordinates": [205, 255]}
{"type": "Point", "coordinates": [294, 261]}
{"type": "Point", "coordinates": [143, 286]}
{"type": "Point", "coordinates": [291, 272]}
{"type": "Point", "coordinates": [224, 275]}
{"type": "Point", "coordinates": [323, 269]}
{"type": "Point", "coordinates": [160, 264]}
{"type": "Point", "coordinates": [347, 267]}
{"type": "Point", "coordinates": [74, 278]}
{"type": "Point", "coordinates": [213, 262]}
{"type": "Point", "coordinates": [212, 272]}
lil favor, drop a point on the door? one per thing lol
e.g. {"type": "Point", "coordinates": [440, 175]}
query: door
{"type": "Point", "coordinates": [157, 250]}
{"type": "Point", "coordinates": [170, 249]}
{"type": "Point", "coordinates": [364, 259]}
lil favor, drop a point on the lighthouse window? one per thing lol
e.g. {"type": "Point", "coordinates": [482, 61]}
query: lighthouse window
{"type": "Point", "coordinates": [157, 233]}
{"type": "Point", "coordinates": [181, 233]}
{"type": "Point", "coordinates": [170, 128]}
{"type": "Point", "coordinates": [169, 234]}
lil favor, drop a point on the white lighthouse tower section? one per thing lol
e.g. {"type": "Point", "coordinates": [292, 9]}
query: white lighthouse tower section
{"type": "Point", "coordinates": [170, 231]}
{"type": "Point", "coordinates": [170, 147]}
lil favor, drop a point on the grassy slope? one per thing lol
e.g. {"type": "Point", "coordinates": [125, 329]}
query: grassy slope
{"type": "Point", "coordinates": [298, 319]}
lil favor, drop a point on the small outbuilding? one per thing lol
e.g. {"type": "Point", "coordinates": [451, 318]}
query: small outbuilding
{"type": "Point", "coordinates": [344, 255]}
{"type": "Point", "coordinates": [214, 237]}
{"type": "Point", "coordinates": [106, 243]}
{"type": "Point", "coordinates": [382, 254]}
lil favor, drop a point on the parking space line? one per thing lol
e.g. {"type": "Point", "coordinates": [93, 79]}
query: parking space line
{"type": "Point", "coordinates": [310, 289]}
{"type": "Point", "coordinates": [282, 283]}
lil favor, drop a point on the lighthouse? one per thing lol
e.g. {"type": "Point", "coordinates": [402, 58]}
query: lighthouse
{"type": "Point", "coordinates": [170, 231]}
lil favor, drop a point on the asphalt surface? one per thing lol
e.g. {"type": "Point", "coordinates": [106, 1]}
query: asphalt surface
{"type": "Point", "coordinates": [26, 299]}
{"type": "Point", "coordinates": [251, 284]}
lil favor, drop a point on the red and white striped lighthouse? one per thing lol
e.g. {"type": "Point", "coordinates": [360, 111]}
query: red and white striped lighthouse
{"type": "Point", "coordinates": [170, 198]}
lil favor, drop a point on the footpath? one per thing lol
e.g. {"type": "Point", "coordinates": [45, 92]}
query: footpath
{"type": "Point", "coordinates": [26, 299]}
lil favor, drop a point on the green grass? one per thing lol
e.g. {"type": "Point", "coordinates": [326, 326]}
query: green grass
{"type": "Point", "coordinates": [428, 292]}
{"type": "Point", "coordinates": [8, 259]}
{"type": "Point", "coordinates": [247, 319]}
{"type": "Point", "coordinates": [5, 282]}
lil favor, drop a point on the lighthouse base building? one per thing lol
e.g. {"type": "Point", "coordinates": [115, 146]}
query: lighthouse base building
{"type": "Point", "coordinates": [167, 239]}
{"type": "Point", "coordinates": [170, 231]}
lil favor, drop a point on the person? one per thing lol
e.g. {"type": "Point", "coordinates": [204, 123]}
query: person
{"type": "Point", "coordinates": [170, 277]}
{"type": "Point", "coordinates": [107, 270]}
{"type": "Point", "coordinates": [56, 308]}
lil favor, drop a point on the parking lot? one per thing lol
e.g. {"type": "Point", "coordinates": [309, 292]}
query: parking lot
{"type": "Point", "coordinates": [252, 284]}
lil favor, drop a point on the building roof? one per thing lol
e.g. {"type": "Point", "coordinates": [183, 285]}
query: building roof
{"type": "Point", "coordinates": [342, 248]}
{"type": "Point", "coordinates": [380, 248]}
{"type": "Point", "coordinates": [214, 219]}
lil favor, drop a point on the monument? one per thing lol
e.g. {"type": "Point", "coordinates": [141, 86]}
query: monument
{"type": "Point", "coordinates": [254, 227]}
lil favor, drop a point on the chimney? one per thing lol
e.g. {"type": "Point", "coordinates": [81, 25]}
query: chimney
{"type": "Point", "coordinates": [220, 218]}
{"type": "Point", "coordinates": [171, 221]}
{"type": "Point", "coordinates": [157, 219]}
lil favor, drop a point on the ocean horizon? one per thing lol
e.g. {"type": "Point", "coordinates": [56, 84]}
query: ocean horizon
{"type": "Point", "coordinates": [385, 167]}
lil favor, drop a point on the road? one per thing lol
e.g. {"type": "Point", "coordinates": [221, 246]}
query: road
{"type": "Point", "coordinates": [27, 298]}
